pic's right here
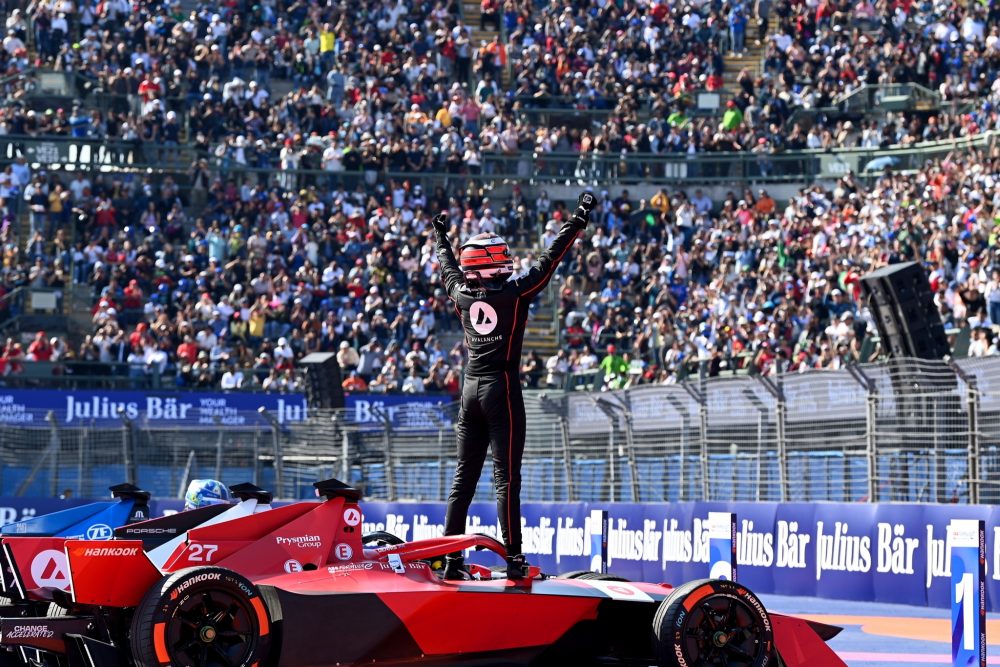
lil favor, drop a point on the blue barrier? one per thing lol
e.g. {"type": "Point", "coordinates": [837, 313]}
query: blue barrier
{"type": "Point", "coordinates": [854, 551]}
{"type": "Point", "coordinates": [895, 553]}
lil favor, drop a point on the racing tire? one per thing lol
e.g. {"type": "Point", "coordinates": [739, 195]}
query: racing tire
{"type": "Point", "coordinates": [202, 617]}
{"type": "Point", "coordinates": [592, 576]}
{"type": "Point", "coordinates": [712, 622]}
{"type": "Point", "coordinates": [600, 576]}
{"type": "Point", "coordinates": [380, 538]}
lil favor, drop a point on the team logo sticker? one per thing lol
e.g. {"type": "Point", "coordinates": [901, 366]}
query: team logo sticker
{"type": "Point", "coordinates": [343, 551]}
{"type": "Point", "coordinates": [99, 531]}
{"type": "Point", "coordinates": [352, 516]}
{"type": "Point", "coordinates": [292, 565]}
{"type": "Point", "coordinates": [50, 570]}
{"type": "Point", "coordinates": [483, 317]}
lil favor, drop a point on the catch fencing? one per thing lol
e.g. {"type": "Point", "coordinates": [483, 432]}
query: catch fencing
{"type": "Point", "coordinates": [904, 431]}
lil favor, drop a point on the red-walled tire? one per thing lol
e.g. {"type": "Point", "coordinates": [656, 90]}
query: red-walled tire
{"type": "Point", "coordinates": [202, 617]}
{"type": "Point", "coordinates": [713, 622]}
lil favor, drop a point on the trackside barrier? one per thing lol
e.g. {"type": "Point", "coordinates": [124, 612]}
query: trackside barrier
{"type": "Point", "coordinates": [968, 580]}
{"type": "Point", "coordinates": [599, 541]}
{"type": "Point", "coordinates": [722, 557]}
{"type": "Point", "coordinates": [891, 553]}
{"type": "Point", "coordinates": [867, 552]}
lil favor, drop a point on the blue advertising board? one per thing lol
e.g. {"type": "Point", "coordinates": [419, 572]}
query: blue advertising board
{"type": "Point", "coordinates": [968, 581]}
{"type": "Point", "coordinates": [402, 411]}
{"type": "Point", "coordinates": [81, 407]}
{"type": "Point", "coordinates": [885, 553]}
{"type": "Point", "coordinates": [722, 558]}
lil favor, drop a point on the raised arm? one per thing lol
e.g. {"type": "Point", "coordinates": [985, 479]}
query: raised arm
{"type": "Point", "coordinates": [450, 273]}
{"type": "Point", "coordinates": [540, 273]}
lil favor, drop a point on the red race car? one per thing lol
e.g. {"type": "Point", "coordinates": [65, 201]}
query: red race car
{"type": "Point", "coordinates": [297, 586]}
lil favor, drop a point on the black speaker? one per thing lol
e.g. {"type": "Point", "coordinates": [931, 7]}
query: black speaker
{"type": "Point", "coordinates": [322, 380]}
{"type": "Point", "coordinates": [900, 300]}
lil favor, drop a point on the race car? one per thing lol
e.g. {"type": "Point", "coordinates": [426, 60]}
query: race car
{"type": "Point", "coordinates": [34, 561]}
{"type": "Point", "coordinates": [297, 587]}
{"type": "Point", "coordinates": [95, 521]}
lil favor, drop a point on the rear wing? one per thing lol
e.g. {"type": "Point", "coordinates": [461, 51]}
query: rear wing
{"type": "Point", "coordinates": [115, 574]}
{"type": "Point", "coordinates": [94, 521]}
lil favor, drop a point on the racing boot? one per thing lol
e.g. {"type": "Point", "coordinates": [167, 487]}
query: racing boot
{"type": "Point", "coordinates": [454, 569]}
{"type": "Point", "coordinates": [517, 567]}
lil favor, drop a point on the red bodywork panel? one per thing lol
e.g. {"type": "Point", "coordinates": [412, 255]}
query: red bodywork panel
{"type": "Point", "coordinates": [42, 564]}
{"type": "Point", "coordinates": [800, 646]}
{"type": "Point", "coordinates": [114, 573]}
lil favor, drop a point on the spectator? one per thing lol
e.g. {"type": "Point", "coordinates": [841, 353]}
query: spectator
{"type": "Point", "coordinates": [40, 349]}
{"type": "Point", "coordinates": [354, 383]}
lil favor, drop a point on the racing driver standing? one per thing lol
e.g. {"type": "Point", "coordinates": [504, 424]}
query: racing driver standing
{"type": "Point", "coordinates": [493, 305]}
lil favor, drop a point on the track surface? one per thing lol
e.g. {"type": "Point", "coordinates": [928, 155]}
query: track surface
{"type": "Point", "coordinates": [885, 635]}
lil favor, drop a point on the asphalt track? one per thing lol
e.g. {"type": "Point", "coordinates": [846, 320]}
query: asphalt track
{"type": "Point", "coordinates": [885, 635]}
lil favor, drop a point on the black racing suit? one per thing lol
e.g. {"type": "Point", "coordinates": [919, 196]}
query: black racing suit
{"type": "Point", "coordinates": [492, 408]}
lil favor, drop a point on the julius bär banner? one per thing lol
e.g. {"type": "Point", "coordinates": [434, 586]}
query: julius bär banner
{"type": "Point", "coordinates": [884, 553]}
{"type": "Point", "coordinates": [30, 407]}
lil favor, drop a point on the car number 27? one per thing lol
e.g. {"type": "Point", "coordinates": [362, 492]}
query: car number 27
{"type": "Point", "coordinates": [202, 553]}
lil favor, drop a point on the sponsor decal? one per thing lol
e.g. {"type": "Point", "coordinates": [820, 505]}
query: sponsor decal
{"type": "Point", "coordinates": [150, 531]}
{"type": "Point", "coordinates": [347, 568]}
{"type": "Point", "coordinates": [292, 565]}
{"type": "Point", "coordinates": [300, 541]}
{"type": "Point", "coordinates": [752, 600]}
{"type": "Point", "coordinates": [352, 516]}
{"type": "Point", "coordinates": [98, 552]}
{"type": "Point", "coordinates": [483, 317]}
{"type": "Point", "coordinates": [895, 549]}
{"type": "Point", "coordinates": [617, 590]}
{"type": "Point", "coordinates": [50, 570]}
{"type": "Point", "coordinates": [101, 408]}
{"type": "Point", "coordinates": [100, 531]}
{"type": "Point", "coordinates": [343, 551]}
{"type": "Point", "coordinates": [840, 551]}
{"type": "Point", "coordinates": [197, 579]}
{"type": "Point", "coordinates": [29, 632]}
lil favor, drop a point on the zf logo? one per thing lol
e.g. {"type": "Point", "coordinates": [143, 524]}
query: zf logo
{"type": "Point", "coordinates": [99, 531]}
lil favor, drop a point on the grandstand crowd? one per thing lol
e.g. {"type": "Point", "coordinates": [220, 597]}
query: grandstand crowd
{"type": "Point", "coordinates": [232, 271]}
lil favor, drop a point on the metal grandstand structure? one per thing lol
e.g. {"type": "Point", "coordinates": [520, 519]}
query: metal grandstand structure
{"type": "Point", "coordinates": [906, 431]}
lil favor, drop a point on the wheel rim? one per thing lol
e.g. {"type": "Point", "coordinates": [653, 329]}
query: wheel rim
{"type": "Point", "coordinates": [723, 630]}
{"type": "Point", "coordinates": [212, 629]}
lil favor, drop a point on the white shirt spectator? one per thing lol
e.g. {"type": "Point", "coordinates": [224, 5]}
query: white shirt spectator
{"type": "Point", "coordinates": [413, 385]}
{"type": "Point", "coordinates": [232, 379]}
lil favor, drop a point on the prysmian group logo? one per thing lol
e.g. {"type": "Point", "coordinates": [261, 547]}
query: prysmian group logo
{"type": "Point", "coordinates": [301, 541]}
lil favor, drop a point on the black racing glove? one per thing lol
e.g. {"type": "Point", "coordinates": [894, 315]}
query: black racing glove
{"type": "Point", "coordinates": [584, 205]}
{"type": "Point", "coordinates": [440, 223]}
